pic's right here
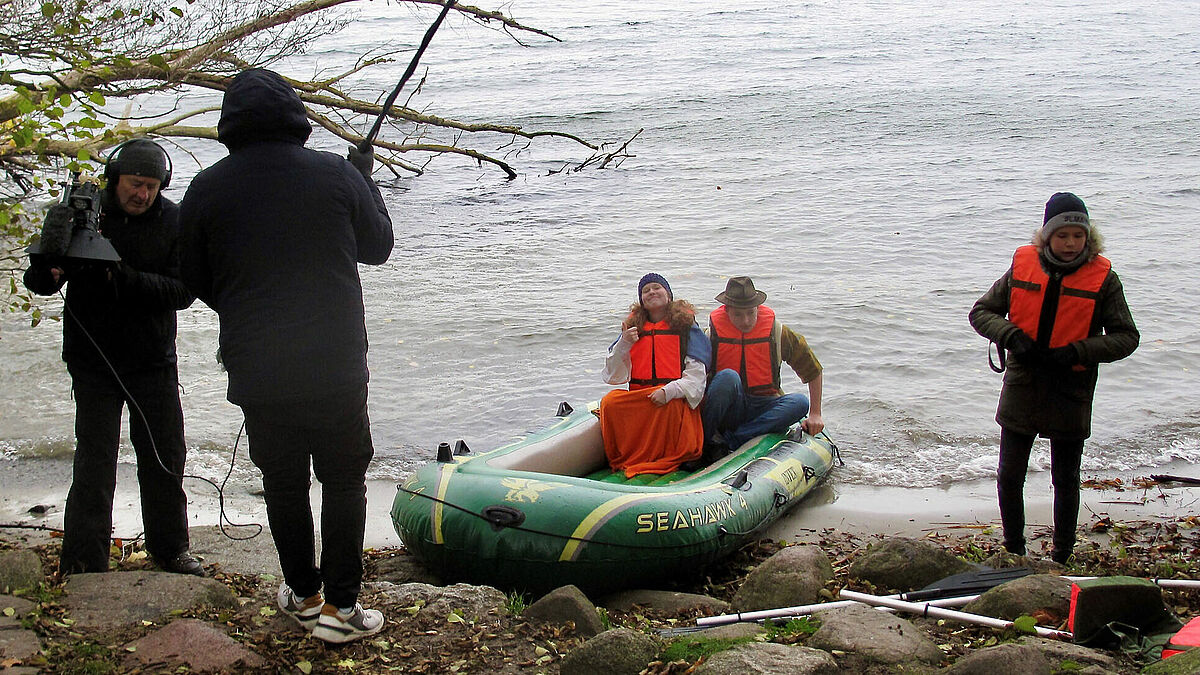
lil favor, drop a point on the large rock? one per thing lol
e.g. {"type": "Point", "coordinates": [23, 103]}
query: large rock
{"type": "Point", "coordinates": [1187, 663]}
{"type": "Point", "coordinates": [195, 644]}
{"type": "Point", "coordinates": [469, 602]}
{"type": "Point", "coordinates": [245, 555]}
{"type": "Point", "coordinates": [1024, 596]}
{"type": "Point", "coordinates": [1007, 658]}
{"type": "Point", "coordinates": [19, 606]}
{"type": "Point", "coordinates": [18, 645]}
{"type": "Point", "coordinates": [1062, 652]}
{"type": "Point", "coordinates": [870, 636]}
{"type": "Point", "coordinates": [793, 576]}
{"type": "Point", "coordinates": [112, 599]}
{"type": "Point", "coordinates": [620, 651]}
{"type": "Point", "coordinates": [19, 569]}
{"type": "Point", "coordinates": [567, 604]}
{"type": "Point", "coordinates": [665, 602]}
{"type": "Point", "coordinates": [405, 569]}
{"type": "Point", "coordinates": [768, 657]}
{"type": "Point", "coordinates": [906, 564]}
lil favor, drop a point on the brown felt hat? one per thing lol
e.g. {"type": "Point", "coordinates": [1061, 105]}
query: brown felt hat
{"type": "Point", "coordinates": [739, 292]}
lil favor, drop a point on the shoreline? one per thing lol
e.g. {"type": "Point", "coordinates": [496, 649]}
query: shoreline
{"type": "Point", "coordinates": [861, 509]}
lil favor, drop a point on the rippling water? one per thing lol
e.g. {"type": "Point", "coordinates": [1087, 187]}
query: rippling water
{"type": "Point", "coordinates": [871, 165]}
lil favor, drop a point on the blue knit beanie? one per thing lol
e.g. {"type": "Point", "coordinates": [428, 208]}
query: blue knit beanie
{"type": "Point", "coordinates": [653, 278]}
{"type": "Point", "coordinates": [1065, 209]}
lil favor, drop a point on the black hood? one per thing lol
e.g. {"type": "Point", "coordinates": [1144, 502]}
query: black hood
{"type": "Point", "coordinates": [259, 106]}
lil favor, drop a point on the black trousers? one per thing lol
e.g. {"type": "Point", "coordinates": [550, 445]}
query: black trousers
{"type": "Point", "coordinates": [333, 435]}
{"type": "Point", "coordinates": [1065, 456]}
{"type": "Point", "coordinates": [99, 401]}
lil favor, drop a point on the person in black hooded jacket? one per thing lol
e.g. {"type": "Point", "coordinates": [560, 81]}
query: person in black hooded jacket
{"type": "Point", "coordinates": [273, 234]}
{"type": "Point", "coordinates": [119, 345]}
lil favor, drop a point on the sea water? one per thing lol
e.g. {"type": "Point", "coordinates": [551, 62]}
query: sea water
{"type": "Point", "coordinates": [872, 165]}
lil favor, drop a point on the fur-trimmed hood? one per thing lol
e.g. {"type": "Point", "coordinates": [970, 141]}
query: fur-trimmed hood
{"type": "Point", "coordinates": [681, 315]}
{"type": "Point", "coordinates": [1095, 244]}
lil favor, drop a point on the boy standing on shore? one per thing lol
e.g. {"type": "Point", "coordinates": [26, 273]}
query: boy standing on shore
{"type": "Point", "coordinates": [1059, 311]}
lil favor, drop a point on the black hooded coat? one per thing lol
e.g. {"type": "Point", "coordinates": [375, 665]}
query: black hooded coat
{"type": "Point", "coordinates": [272, 238]}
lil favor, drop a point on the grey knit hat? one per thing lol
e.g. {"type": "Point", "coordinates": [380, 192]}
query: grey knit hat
{"type": "Point", "coordinates": [1065, 209]}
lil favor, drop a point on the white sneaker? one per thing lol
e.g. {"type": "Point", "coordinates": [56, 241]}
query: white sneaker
{"type": "Point", "coordinates": [304, 610]}
{"type": "Point", "coordinates": [336, 626]}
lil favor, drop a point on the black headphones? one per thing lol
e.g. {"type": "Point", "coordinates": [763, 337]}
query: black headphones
{"type": "Point", "coordinates": [112, 164]}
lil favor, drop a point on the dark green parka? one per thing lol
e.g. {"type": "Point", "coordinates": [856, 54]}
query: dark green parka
{"type": "Point", "coordinates": [1047, 400]}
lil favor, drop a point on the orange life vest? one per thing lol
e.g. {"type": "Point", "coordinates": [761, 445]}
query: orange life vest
{"type": "Point", "coordinates": [754, 355]}
{"type": "Point", "coordinates": [1076, 301]}
{"type": "Point", "coordinates": [657, 357]}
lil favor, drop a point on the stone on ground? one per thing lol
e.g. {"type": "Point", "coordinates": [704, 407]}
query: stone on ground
{"type": "Point", "coordinates": [870, 636]}
{"type": "Point", "coordinates": [664, 602]}
{"type": "Point", "coordinates": [194, 644]}
{"type": "Point", "coordinates": [113, 599]}
{"type": "Point", "coordinates": [906, 564]}
{"type": "Point", "coordinates": [793, 576]}
{"type": "Point", "coordinates": [620, 651]}
{"type": "Point", "coordinates": [567, 604]}
{"type": "Point", "coordinates": [1007, 658]}
{"type": "Point", "coordinates": [255, 555]}
{"type": "Point", "coordinates": [20, 569]}
{"type": "Point", "coordinates": [469, 602]}
{"type": "Point", "coordinates": [1022, 597]}
{"type": "Point", "coordinates": [1061, 652]}
{"type": "Point", "coordinates": [768, 657]}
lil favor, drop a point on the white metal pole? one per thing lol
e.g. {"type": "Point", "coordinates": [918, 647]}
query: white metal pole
{"type": "Point", "coordinates": [803, 610]}
{"type": "Point", "coordinates": [928, 609]}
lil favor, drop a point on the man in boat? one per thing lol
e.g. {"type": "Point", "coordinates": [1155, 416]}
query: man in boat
{"type": "Point", "coordinates": [119, 329]}
{"type": "Point", "coordinates": [273, 234]}
{"type": "Point", "coordinates": [744, 397]}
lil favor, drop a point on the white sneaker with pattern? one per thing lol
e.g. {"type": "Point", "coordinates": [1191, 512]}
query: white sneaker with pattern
{"type": "Point", "coordinates": [337, 626]}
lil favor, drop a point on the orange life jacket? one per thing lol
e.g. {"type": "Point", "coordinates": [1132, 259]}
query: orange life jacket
{"type": "Point", "coordinates": [754, 355]}
{"type": "Point", "coordinates": [1076, 301]}
{"type": "Point", "coordinates": [657, 357]}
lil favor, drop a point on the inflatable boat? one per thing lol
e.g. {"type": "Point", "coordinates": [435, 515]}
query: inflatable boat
{"type": "Point", "coordinates": [546, 511]}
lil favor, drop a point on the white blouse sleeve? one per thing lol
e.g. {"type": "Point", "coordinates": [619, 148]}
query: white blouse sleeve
{"type": "Point", "coordinates": [691, 385]}
{"type": "Point", "coordinates": [617, 364]}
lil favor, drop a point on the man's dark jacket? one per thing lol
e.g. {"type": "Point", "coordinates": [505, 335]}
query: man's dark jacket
{"type": "Point", "coordinates": [132, 314]}
{"type": "Point", "coordinates": [273, 235]}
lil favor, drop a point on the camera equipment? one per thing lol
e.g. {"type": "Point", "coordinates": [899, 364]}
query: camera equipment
{"type": "Point", "coordinates": [71, 228]}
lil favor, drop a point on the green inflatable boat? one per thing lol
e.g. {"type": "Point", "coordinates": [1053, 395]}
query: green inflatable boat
{"type": "Point", "coordinates": [547, 511]}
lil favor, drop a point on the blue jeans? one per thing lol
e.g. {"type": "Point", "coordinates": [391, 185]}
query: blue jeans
{"type": "Point", "coordinates": [739, 416]}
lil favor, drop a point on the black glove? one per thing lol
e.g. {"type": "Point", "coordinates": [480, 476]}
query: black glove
{"type": "Point", "coordinates": [1021, 344]}
{"type": "Point", "coordinates": [1065, 356]}
{"type": "Point", "coordinates": [363, 161]}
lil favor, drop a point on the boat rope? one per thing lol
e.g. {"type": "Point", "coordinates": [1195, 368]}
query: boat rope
{"type": "Point", "coordinates": [566, 537]}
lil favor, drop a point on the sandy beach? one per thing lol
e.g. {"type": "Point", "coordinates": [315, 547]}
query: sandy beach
{"type": "Point", "coordinates": [42, 485]}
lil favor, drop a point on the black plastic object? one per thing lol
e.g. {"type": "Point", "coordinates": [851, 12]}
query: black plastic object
{"type": "Point", "coordinates": [564, 409]}
{"type": "Point", "coordinates": [460, 447]}
{"type": "Point", "coordinates": [444, 454]}
{"type": "Point", "coordinates": [501, 516]}
{"type": "Point", "coordinates": [967, 583]}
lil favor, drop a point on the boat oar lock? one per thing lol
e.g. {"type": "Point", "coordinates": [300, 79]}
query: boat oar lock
{"type": "Point", "coordinates": [445, 454]}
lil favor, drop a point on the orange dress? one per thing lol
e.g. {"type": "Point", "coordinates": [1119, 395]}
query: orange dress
{"type": "Point", "coordinates": [640, 436]}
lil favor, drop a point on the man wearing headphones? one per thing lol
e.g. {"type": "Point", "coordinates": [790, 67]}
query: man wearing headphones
{"type": "Point", "coordinates": [119, 345]}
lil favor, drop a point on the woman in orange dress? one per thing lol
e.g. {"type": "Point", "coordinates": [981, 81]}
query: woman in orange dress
{"type": "Point", "coordinates": [662, 354]}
